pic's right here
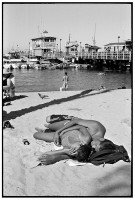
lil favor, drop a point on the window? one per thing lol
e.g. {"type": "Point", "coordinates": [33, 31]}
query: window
{"type": "Point", "coordinates": [72, 49]}
{"type": "Point", "coordinates": [46, 40]}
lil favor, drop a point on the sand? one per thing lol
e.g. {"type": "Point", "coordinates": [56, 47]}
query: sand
{"type": "Point", "coordinates": [21, 177]}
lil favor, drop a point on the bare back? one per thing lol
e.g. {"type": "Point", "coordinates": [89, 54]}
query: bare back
{"type": "Point", "coordinates": [95, 128]}
{"type": "Point", "coordinates": [65, 79]}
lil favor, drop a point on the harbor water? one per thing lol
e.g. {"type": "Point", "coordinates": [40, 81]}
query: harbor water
{"type": "Point", "coordinates": [33, 80]}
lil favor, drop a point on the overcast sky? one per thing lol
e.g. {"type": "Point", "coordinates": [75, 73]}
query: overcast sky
{"type": "Point", "coordinates": [22, 22]}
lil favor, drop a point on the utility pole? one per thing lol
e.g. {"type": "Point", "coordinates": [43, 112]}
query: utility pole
{"type": "Point", "coordinates": [94, 40]}
{"type": "Point", "coordinates": [118, 38]}
{"type": "Point", "coordinates": [80, 47]}
{"type": "Point", "coordinates": [69, 37]}
{"type": "Point", "coordinates": [29, 50]}
{"type": "Point", "coordinates": [60, 46]}
{"type": "Point", "coordinates": [118, 42]}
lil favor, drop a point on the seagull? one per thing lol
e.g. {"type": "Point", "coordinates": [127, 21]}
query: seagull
{"type": "Point", "coordinates": [42, 96]}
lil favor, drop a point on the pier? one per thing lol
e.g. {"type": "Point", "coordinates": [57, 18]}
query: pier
{"type": "Point", "coordinates": [127, 56]}
{"type": "Point", "coordinates": [105, 61]}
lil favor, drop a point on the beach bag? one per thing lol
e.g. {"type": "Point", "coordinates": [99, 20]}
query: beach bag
{"type": "Point", "coordinates": [109, 156]}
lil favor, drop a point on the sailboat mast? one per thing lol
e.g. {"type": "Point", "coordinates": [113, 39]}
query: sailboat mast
{"type": "Point", "coordinates": [94, 40]}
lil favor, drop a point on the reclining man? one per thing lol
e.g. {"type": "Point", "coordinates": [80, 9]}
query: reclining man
{"type": "Point", "coordinates": [77, 136]}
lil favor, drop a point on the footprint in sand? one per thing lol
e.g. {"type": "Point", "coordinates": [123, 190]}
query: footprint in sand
{"type": "Point", "coordinates": [75, 109]}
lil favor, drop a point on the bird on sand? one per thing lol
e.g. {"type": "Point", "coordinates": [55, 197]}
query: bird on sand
{"type": "Point", "coordinates": [42, 96]}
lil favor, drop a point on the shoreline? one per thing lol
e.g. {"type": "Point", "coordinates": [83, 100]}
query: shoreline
{"type": "Point", "coordinates": [28, 110]}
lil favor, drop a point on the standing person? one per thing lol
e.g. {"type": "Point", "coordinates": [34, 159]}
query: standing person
{"type": "Point", "coordinates": [65, 82]}
{"type": "Point", "coordinates": [8, 83]}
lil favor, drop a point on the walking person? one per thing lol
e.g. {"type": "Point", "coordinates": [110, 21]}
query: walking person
{"type": "Point", "coordinates": [65, 82]}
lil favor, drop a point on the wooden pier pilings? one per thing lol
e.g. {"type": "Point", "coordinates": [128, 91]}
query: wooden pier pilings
{"type": "Point", "coordinates": [106, 65]}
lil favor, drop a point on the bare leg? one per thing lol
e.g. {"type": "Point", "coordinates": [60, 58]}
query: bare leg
{"type": "Point", "coordinates": [48, 137]}
{"type": "Point", "coordinates": [39, 129]}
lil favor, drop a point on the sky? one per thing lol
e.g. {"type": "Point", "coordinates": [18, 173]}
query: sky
{"type": "Point", "coordinates": [23, 22]}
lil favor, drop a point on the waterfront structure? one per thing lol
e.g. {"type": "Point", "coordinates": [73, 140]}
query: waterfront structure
{"type": "Point", "coordinates": [128, 45]}
{"type": "Point", "coordinates": [71, 48]}
{"type": "Point", "coordinates": [14, 54]}
{"type": "Point", "coordinates": [44, 46]}
{"type": "Point", "coordinates": [116, 47]}
{"type": "Point", "coordinates": [90, 48]}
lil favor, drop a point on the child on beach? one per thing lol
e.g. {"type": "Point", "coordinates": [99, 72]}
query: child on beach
{"type": "Point", "coordinates": [77, 137]}
{"type": "Point", "coordinates": [65, 81]}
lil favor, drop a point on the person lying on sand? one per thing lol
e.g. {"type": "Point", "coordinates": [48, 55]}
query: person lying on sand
{"type": "Point", "coordinates": [77, 137]}
{"type": "Point", "coordinates": [75, 145]}
{"type": "Point", "coordinates": [94, 128]}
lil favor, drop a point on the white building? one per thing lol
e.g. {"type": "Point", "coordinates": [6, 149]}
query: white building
{"type": "Point", "coordinates": [44, 46]}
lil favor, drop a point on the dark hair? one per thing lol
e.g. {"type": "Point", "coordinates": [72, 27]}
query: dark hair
{"type": "Point", "coordinates": [107, 144]}
{"type": "Point", "coordinates": [83, 153]}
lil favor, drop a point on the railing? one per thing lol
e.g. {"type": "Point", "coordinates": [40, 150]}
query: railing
{"type": "Point", "coordinates": [109, 55]}
{"type": "Point", "coordinates": [94, 55]}
{"type": "Point", "coordinates": [98, 55]}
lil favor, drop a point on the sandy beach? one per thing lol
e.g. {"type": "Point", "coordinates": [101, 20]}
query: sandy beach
{"type": "Point", "coordinates": [21, 177]}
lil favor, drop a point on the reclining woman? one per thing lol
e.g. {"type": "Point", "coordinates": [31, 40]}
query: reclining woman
{"type": "Point", "coordinates": [77, 136]}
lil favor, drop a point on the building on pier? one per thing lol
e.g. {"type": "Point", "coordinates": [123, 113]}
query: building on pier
{"type": "Point", "coordinates": [90, 48]}
{"type": "Point", "coordinates": [14, 53]}
{"type": "Point", "coordinates": [117, 47]}
{"type": "Point", "coordinates": [71, 48]}
{"type": "Point", "coordinates": [44, 46]}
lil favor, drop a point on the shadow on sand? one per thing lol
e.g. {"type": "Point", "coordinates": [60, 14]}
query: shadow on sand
{"type": "Point", "coordinates": [117, 183]}
{"type": "Point", "coordinates": [14, 98]}
{"type": "Point", "coordinates": [19, 113]}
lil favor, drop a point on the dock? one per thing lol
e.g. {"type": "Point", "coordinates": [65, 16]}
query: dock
{"type": "Point", "coordinates": [98, 55]}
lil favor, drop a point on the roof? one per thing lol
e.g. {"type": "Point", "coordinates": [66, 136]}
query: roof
{"type": "Point", "coordinates": [71, 44]}
{"type": "Point", "coordinates": [13, 51]}
{"type": "Point", "coordinates": [92, 47]}
{"type": "Point", "coordinates": [41, 38]}
{"type": "Point", "coordinates": [88, 45]}
{"type": "Point", "coordinates": [115, 44]}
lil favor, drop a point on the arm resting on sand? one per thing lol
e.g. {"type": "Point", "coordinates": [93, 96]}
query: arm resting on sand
{"type": "Point", "coordinates": [52, 157]}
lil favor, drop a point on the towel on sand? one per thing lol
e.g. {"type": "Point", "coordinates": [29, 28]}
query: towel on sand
{"type": "Point", "coordinates": [32, 152]}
